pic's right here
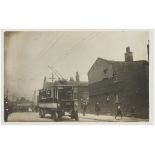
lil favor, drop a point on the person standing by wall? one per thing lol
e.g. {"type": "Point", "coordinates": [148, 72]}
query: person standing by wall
{"type": "Point", "coordinates": [84, 108]}
{"type": "Point", "coordinates": [97, 108]}
{"type": "Point", "coordinates": [85, 104]}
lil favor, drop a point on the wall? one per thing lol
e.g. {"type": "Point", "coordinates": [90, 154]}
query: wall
{"type": "Point", "coordinates": [131, 87]}
{"type": "Point", "coordinates": [83, 93]}
{"type": "Point", "coordinates": [101, 69]}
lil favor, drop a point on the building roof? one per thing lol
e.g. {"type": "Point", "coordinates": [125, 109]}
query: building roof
{"type": "Point", "coordinates": [119, 62]}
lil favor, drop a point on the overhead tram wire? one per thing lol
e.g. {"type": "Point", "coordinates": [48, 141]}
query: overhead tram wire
{"type": "Point", "coordinates": [47, 47]}
{"type": "Point", "coordinates": [29, 65]}
{"type": "Point", "coordinates": [50, 46]}
{"type": "Point", "coordinates": [53, 71]}
{"type": "Point", "coordinates": [75, 45]}
{"type": "Point", "coordinates": [56, 72]}
{"type": "Point", "coordinates": [59, 37]}
{"type": "Point", "coordinates": [90, 36]}
{"type": "Point", "coordinates": [67, 53]}
{"type": "Point", "coordinates": [44, 48]}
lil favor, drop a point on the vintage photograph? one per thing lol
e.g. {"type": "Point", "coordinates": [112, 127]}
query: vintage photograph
{"type": "Point", "coordinates": [76, 76]}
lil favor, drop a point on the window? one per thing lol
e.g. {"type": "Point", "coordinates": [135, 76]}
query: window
{"type": "Point", "coordinates": [105, 71]}
{"type": "Point", "coordinates": [115, 77]}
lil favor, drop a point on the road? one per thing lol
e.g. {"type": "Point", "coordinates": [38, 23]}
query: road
{"type": "Point", "coordinates": [34, 117]}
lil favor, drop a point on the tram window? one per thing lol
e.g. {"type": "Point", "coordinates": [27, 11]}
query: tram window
{"type": "Point", "coordinates": [75, 96]}
{"type": "Point", "coordinates": [67, 95]}
{"type": "Point", "coordinates": [70, 96]}
{"type": "Point", "coordinates": [52, 93]}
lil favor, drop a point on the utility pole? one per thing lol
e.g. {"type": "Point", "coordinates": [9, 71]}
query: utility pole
{"type": "Point", "coordinates": [52, 84]}
{"type": "Point", "coordinates": [52, 78]}
{"type": "Point", "coordinates": [148, 49]}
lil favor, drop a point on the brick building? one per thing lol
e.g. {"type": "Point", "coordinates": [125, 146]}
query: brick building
{"type": "Point", "coordinates": [115, 82]}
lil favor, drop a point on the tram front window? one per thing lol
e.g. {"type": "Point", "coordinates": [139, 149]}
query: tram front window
{"type": "Point", "coordinates": [69, 96]}
{"type": "Point", "coordinates": [66, 95]}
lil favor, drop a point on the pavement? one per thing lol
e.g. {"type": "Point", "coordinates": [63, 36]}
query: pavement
{"type": "Point", "coordinates": [108, 118]}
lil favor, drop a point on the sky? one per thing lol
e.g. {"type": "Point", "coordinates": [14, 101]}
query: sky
{"type": "Point", "coordinates": [27, 55]}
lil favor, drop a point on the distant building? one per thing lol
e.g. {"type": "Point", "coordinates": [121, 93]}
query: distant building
{"type": "Point", "coordinates": [24, 107]}
{"type": "Point", "coordinates": [114, 82]}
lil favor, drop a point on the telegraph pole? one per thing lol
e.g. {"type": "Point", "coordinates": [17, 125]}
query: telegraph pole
{"type": "Point", "coordinates": [52, 85]}
{"type": "Point", "coordinates": [148, 49]}
{"type": "Point", "coordinates": [52, 78]}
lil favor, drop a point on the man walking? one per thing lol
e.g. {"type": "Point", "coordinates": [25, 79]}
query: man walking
{"type": "Point", "coordinates": [119, 112]}
{"type": "Point", "coordinates": [97, 108]}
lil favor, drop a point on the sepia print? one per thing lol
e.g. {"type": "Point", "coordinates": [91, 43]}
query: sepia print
{"type": "Point", "coordinates": [76, 76]}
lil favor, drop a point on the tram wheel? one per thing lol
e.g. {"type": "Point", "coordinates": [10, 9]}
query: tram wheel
{"type": "Point", "coordinates": [41, 113]}
{"type": "Point", "coordinates": [55, 116]}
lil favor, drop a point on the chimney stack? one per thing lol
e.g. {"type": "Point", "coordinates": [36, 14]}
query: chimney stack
{"type": "Point", "coordinates": [128, 55]}
{"type": "Point", "coordinates": [77, 77]}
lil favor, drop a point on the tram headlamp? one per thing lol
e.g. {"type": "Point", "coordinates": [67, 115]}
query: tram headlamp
{"type": "Point", "coordinates": [58, 104]}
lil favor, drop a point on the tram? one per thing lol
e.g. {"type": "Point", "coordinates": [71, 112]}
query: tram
{"type": "Point", "coordinates": [58, 100]}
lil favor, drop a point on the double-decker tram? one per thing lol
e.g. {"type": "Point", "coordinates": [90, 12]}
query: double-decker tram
{"type": "Point", "coordinates": [58, 100]}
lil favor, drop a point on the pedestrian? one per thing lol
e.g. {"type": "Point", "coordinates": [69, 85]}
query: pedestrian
{"type": "Point", "coordinates": [119, 112]}
{"type": "Point", "coordinates": [84, 108]}
{"type": "Point", "coordinates": [97, 108]}
{"type": "Point", "coordinates": [85, 103]}
{"type": "Point", "coordinates": [6, 109]}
